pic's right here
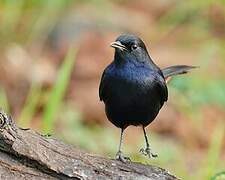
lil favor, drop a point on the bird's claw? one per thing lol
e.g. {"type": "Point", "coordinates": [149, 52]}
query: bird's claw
{"type": "Point", "coordinates": [147, 152]}
{"type": "Point", "coordinates": [121, 157]}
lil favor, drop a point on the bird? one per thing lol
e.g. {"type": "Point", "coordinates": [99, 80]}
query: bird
{"type": "Point", "coordinates": [134, 89]}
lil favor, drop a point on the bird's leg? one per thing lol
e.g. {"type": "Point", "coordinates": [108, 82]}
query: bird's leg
{"type": "Point", "coordinates": [119, 154]}
{"type": "Point", "coordinates": [147, 151]}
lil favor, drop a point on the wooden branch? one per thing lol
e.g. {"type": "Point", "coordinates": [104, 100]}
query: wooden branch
{"type": "Point", "coordinates": [26, 154]}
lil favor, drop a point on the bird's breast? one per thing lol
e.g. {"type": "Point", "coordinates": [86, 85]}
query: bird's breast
{"type": "Point", "coordinates": [129, 83]}
{"type": "Point", "coordinates": [132, 96]}
{"type": "Point", "coordinates": [132, 73]}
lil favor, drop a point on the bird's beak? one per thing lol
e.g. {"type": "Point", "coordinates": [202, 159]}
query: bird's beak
{"type": "Point", "coordinates": [118, 45]}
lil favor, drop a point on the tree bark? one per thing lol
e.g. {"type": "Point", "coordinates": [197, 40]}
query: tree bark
{"type": "Point", "coordinates": [26, 154]}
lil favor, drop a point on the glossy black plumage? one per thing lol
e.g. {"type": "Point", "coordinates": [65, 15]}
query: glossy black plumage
{"type": "Point", "coordinates": [133, 87]}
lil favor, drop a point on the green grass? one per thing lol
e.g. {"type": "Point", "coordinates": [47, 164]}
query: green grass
{"type": "Point", "coordinates": [213, 155]}
{"type": "Point", "coordinates": [219, 176]}
{"type": "Point", "coordinates": [51, 109]}
{"type": "Point", "coordinates": [30, 106]}
{"type": "Point", "coordinates": [28, 21]}
{"type": "Point", "coordinates": [4, 101]}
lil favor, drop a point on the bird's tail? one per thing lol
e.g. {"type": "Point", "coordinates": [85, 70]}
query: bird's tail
{"type": "Point", "coordinates": [176, 70]}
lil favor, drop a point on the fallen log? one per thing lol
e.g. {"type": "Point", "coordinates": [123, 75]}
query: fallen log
{"type": "Point", "coordinates": [26, 154]}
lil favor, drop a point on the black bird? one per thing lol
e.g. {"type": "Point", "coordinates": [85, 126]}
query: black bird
{"type": "Point", "coordinates": [134, 88]}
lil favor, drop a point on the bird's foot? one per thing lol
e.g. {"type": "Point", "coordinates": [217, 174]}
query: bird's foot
{"type": "Point", "coordinates": [121, 157]}
{"type": "Point", "coordinates": [148, 152]}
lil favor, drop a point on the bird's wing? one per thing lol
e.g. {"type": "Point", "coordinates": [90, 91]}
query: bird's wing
{"type": "Point", "coordinates": [175, 70]}
{"type": "Point", "coordinates": [102, 86]}
{"type": "Point", "coordinates": [160, 84]}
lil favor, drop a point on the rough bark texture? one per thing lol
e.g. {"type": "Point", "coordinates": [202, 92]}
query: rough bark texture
{"type": "Point", "coordinates": [26, 154]}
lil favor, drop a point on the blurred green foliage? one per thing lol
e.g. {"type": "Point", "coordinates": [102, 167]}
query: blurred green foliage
{"type": "Point", "coordinates": [219, 176]}
{"type": "Point", "coordinates": [213, 154]}
{"type": "Point", "coordinates": [57, 93]}
{"type": "Point", "coordinates": [3, 100]}
{"type": "Point", "coordinates": [25, 21]}
{"type": "Point", "coordinates": [30, 106]}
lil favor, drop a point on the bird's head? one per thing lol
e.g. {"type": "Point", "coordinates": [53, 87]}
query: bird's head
{"type": "Point", "coordinates": [130, 47]}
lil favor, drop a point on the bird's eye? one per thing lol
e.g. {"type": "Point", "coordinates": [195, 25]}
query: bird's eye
{"type": "Point", "coordinates": [133, 47]}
